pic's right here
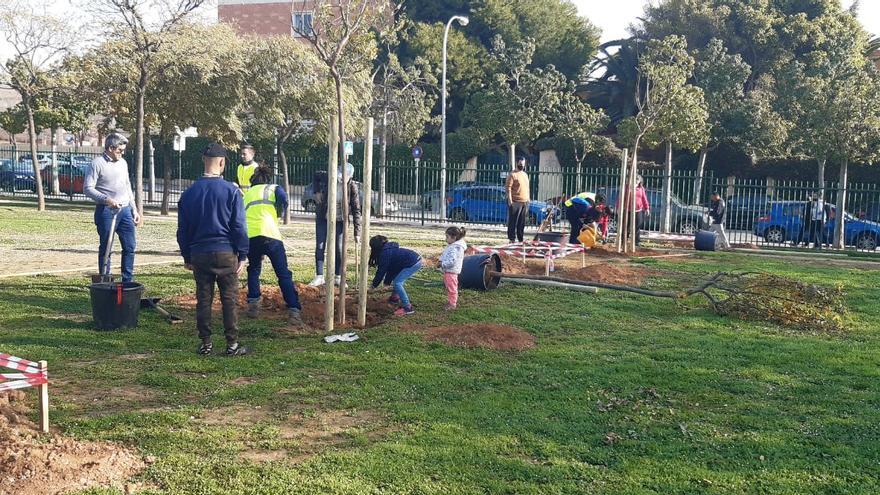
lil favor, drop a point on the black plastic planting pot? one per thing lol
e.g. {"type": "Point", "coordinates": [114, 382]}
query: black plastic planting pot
{"type": "Point", "coordinates": [704, 240]}
{"type": "Point", "coordinates": [558, 237]}
{"type": "Point", "coordinates": [116, 305]}
{"type": "Point", "coordinates": [475, 272]}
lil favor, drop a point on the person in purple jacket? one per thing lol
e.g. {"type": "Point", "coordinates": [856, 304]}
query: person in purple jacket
{"type": "Point", "coordinates": [213, 240]}
{"type": "Point", "coordinates": [395, 265]}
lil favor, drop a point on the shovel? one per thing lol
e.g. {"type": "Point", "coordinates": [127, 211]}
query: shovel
{"type": "Point", "coordinates": [105, 270]}
{"type": "Point", "coordinates": [152, 303]}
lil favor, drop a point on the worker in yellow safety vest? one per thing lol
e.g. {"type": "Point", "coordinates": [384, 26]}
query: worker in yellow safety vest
{"type": "Point", "coordinates": [264, 203]}
{"type": "Point", "coordinates": [246, 168]}
{"type": "Point", "coordinates": [583, 209]}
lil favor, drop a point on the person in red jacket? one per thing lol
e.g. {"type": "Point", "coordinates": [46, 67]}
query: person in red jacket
{"type": "Point", "coordinates": [643, 209]}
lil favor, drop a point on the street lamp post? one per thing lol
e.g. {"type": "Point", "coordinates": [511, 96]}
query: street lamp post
{"type": "Point", "coordinates": [442, 206]}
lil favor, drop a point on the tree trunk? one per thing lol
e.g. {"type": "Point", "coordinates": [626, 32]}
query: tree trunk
{"type": "Point", "coordinates": [621, 203]}
{"type": "Point", "coordinates": [139, 146]}
{"type": "Point", "coordinates": [631, 188]}
{"type": "Point", "coordinates": [821, 162]}
{"type": "Point", "coordinates": [166, 173]}
{"type": "Point", "coordinates": [666, 223]}
{"type": "Point", "coordinates": [698, 180]}
{"type": "Point", "coordinates": [282, 157]}
{"type": "Point", "coordinates": [151, 194]}
{"type": "Point", "coordinates": [840, 215]}
{"type": "Point", "coordinates": [383, 156]}
{"type": "Point", "coordinates": [343, 265]}
{"type": "Point", "coordinates": [56, 188]}
{"type": "Point", "coordinates": [32, 139]}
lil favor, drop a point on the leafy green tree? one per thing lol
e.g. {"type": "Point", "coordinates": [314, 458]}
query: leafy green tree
{"type": "Point", "coordinates": [13, 120]}
{"type": "Point", "coordinates": [288, 96]}
{"type": "Point", "coordinates": [140, 24]}
{"type": "Point", "coordinates": [612, 78]}
{"type": "Point", "coordinates": [519, 102]}
{"type": "Point", "coordinates": [578, 122]}
{"type": "Point", "coordinates": [38, 41]}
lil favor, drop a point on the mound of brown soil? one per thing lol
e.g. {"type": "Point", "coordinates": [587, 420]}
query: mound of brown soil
{"type": "Point", "coordinates": [484, 335]}
{"type": "Point", "coordinates": [312, 300]}
{"type": "Point", "coordinates": [52, 464]}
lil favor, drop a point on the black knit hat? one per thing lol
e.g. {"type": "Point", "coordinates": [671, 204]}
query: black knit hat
{"type": "Point", "coordinates": [214, 150]}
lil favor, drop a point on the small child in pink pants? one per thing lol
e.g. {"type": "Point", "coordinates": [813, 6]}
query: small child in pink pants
{"type": "Point", "coordinates": [450, 263]}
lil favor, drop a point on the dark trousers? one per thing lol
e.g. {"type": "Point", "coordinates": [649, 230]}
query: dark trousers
{"type": "Point", "coordinates": [817, 233]}
{"type": "Point", "coordinates": [641, 217]}
{"type": "Point", "coordinates": [273, 248]}
{"type": "Point", "coordinates": [124, 230]}
{"type": "Point", "coordinates": [321, 245]}
{"type": "Point", "coordinates": [576, 222]}
{"type": "Point", "coordinates": [516, 221]}
{"type": "Point", "coordinates": [216, 268]}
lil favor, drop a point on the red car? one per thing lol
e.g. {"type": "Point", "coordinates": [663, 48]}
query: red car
{"type": "Point", "coordinates": [70, 179]}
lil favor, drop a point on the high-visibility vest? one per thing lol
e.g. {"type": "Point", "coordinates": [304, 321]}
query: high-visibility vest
{"type": "Point", "coordinates": [244, 174]}
{"type": "Point", "coordinates": [584, 195]}
{"type": "Point", "coordinates": [260, 212]}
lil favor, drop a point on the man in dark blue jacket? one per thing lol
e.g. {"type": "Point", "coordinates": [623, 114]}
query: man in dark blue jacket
{"type": "Point", "coordinates": [212, 235]}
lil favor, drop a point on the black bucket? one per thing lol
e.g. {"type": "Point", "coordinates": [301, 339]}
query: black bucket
{"type": "Point", "coordinates": [475, 272]}
{"type": "Point", "coordinates": [558, 237]}
{"type": "Point", "coordinates": [116, 305]}
{"type": "Point", "coordinates": [705, 240]}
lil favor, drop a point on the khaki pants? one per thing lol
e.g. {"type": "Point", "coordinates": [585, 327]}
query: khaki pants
{"type": "Point", "coordinates": [220, 269]}
{"type": "Point", "coordinates": [722, 235]}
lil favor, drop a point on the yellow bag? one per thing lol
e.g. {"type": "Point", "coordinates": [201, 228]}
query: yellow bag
{"type": "Point", "coordinates": [588, 235]}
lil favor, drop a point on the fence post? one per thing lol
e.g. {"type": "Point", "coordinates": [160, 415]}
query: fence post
{"type": "Point", "coordinates": [44, 398]}
{"type": "Point", "coordinates": [731, 186]}
{"type": "Point", "coordinates": [151, 192]}
{"type": "Point", "coordinates": [419, 173]}
{"type": "Point", "coordinates": [771, 186]}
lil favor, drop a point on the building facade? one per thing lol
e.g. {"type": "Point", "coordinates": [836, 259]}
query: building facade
{"type": "Point", "coordinates": [267, 17]}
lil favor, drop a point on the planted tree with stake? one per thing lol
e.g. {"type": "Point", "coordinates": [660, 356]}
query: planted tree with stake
{"type": "Point", "coordinates": [38, 41]}
{"type": "Point", "coordinates": [341, 35]}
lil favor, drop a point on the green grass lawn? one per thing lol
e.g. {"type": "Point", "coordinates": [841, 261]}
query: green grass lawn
{"type": "Point", "coordinates": [623, 394]}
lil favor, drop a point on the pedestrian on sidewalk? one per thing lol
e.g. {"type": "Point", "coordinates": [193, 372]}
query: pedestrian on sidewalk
{"type": "Point", "coordinates": [106, 182]}
{"type": "Point", "coordinates": [213, 239]}
{"type": "Point", "coordinates": [450, 262]}
{"type": "Point", "coordinates": [717, 213]}
{"type": "Point", "coordinates": [819, 212]}
{"type": "Point", "coordinates": [517, 202]}
{"type": "Point", "coordinates": [264, 203]}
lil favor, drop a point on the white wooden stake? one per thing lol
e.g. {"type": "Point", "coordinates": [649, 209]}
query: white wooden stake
{"type": "Point", "coordinates": [363, 269]}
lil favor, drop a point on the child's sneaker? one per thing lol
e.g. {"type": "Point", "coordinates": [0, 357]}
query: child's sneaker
{"type": "Point", "coordinates": [450, 307]}
{"type": "Point", "coordinates": [317, 281]}
{"type": "Point", "coordinates": [405, 310]}
{"type": "Point", "coordinates": [394, 300]}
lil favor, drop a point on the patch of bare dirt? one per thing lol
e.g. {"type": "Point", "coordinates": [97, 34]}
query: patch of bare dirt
{"type": "Point", "coordinates": [482, 335]}
{"type": "Point", "coordinates": [312, 300]}
{"type": "Point", "coordinates": [243, 380]}
{"type": "Point", "coordinates": [617, 272]}
{"type": "Point", "coordinates": [32, 463]}
{"type": "Point", "coordinates": [303, 434]}
{"type": "Point", "coordinates": [107, 399]}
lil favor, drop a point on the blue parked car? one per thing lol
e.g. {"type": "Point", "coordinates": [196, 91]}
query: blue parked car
{"type": "Point", "coordinates": [784, 222]}
{"type": "Point", "coordinates": [16, 177]}
{"type": "Point", "coordinates": [487, 204]}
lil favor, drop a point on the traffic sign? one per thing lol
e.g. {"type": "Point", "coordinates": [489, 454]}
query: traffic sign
{"type": "Point", "coordinates": [349, 148]}
{"type": "Point", "coordinates": [417, 152]}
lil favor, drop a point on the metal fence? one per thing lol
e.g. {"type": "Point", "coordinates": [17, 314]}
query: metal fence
{"type": "Point", "coordinates": [760, 212]}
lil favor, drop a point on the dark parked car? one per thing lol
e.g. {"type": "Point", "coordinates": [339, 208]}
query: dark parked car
{"type": "Point", "coordinates": [784, 223]}
{"type": "Point", "coordinates": [487, 204]}
{"type": "Point", "coordinates": [16, 177]}
{"type": "Point", "coordinates": [308, 200]}
{"type": "Point", "coordinates": [686, 219]}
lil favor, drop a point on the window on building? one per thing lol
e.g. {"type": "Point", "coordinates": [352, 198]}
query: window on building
{"type": "Point", "coordinates": [302, 23]}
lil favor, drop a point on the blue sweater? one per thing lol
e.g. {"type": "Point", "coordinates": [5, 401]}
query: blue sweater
{"type": "Point", "coordinates": [392, 261]}
{"type": "Point", "coordinates": [210, 219]}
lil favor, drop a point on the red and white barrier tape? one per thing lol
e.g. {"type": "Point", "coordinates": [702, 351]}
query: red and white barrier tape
{"type": "Point", "coordinates": [31, 376]}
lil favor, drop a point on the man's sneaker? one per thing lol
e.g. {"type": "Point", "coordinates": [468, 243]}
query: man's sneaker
{"type": "Point", "coordinates": [294, 317]}
{"type": "Point", "coordinates": [206, 348]}
{"type": "Point", "coordinates": [253, 310]}
{"type": "Point", "coordinates": [338, 280]}
{"type": "Point", "coordinates": [236, 349]}
{"type": "Point", "coordinates": [317, 281]}
{"type": "Point", "coordinates": [406, 310]}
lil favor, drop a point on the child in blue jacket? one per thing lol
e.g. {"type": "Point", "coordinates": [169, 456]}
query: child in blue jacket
{"type": "Point", "coordinates": [394, 265]}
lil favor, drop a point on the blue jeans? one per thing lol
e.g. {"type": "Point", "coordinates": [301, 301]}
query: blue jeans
{"type": "Point", "coordinates": [400, 279]}
{"type": "Point", "coordinates": [124, 230]}
{"type": "Point", "coordinates": [321, 245]}
{"type": "Point", "coordinates": [273, 248]}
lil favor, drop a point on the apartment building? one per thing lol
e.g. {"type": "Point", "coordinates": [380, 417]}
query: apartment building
{"type": "Point", "coordinates": [267, 17]}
